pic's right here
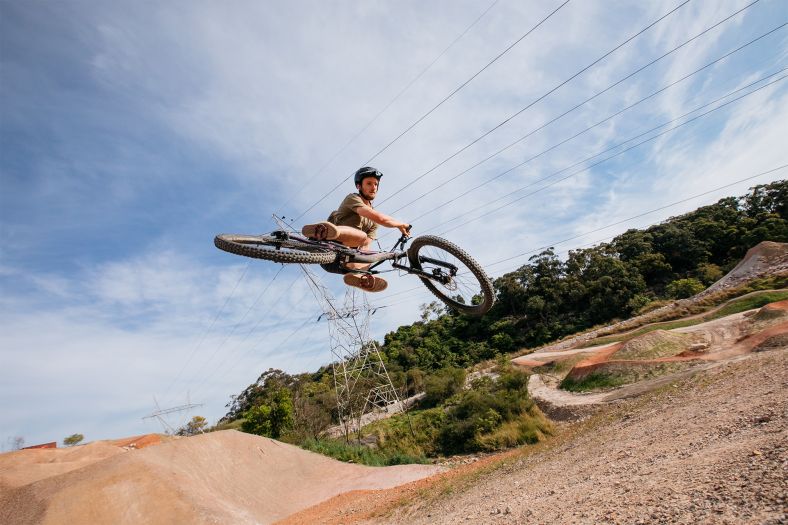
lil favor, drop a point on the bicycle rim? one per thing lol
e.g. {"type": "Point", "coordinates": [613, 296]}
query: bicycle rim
{"type": "Point", "coordinates": [460, 282]}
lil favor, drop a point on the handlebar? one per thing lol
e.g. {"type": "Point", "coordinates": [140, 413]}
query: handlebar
{"type": "Point", "coordinates": [402, 239]}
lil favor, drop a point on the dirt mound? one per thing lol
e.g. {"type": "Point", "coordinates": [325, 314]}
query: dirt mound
{"type": "Point", "coordinates": [142, 441]}
{"type": "Point", "coordinates": [615, 373]}
{"type": "Point", "coordinates": [773, 343]}
{"type": "Point", "coordinates": [221, 477]}
{"type": "Point", "coordinates": [764, 259]}
{"type": "Point", "coordinates": [773, 311]}
{"type": "Point", "coordinates": [27, 466]}
{"type": "Point", "coordinates": [656, 344]}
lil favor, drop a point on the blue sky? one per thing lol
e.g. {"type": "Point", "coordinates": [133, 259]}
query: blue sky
{"type": "Point", "coordinates": [133, 132]}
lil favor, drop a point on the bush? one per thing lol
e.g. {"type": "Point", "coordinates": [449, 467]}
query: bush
{"type": "Point", "coordinates": [683, 288]}
{"type": "Point", "coordinates": [443, 384]}
{"type": "Point", "coordinates": [73, 439]}
{"type": "Point", "coordinates": [493, 415]}
{"type": "Point", "coordinates": [356, 453]}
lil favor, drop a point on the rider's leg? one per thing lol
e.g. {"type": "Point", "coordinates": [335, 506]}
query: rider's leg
{"type": "Point", "coordinates": [365, 281]}
{"type": "Point", "coordinates": [353, 237]}
{"type": "Point", "coordinates": [326, 231]}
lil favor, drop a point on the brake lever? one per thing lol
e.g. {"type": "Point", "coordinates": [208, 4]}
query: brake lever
{"type": "Point", "coordinates": [403, 239]}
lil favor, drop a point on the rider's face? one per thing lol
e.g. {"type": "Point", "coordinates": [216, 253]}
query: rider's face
{"type": "Point", "coordinates": [368, 188]}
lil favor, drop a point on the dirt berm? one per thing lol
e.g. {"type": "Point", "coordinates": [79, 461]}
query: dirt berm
{"type": "Point", "coordinates": [221, 477]}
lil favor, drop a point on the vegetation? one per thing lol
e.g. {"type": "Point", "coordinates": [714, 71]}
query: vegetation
{"type": "Point", "coordinates": [72, 440]}
{"type": "Point", "coordinates": [544, 300]}
{"type": "Point", "coordinates": [611, 377]}
{"type": "Point", "coordinates": [196, 426]}
{"type": "Point", "coordinates": [750, 302]}
{"type": "Point", "coordinates": [356, 453]}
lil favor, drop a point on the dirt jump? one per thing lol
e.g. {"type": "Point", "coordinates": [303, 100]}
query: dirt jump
{"type": "Point", "coordinates": [220, 477]}
{"type": "Point", "coordinates": [696, 434]}
{"type": "Point", "coordinates": [649, 361]}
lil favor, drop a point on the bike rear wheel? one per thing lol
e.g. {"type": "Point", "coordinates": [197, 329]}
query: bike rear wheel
{"type": "Point", "coordinates": [459, 281]}
{"type": "Point", "coordinates": [274, 248]}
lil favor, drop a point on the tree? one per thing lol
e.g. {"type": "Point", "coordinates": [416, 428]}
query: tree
{"type": "Point", "coordinates": [73, 439]}
{"type": "Point", "coordinates": [195, 426]}
{"type": "Point", "coordinates": [271, 419]}
{"type": "Point", "coordinates": [14, 443]}
{"type": "Point", "coordinates": [683, 288]}
{"type": "Point", "coordinates": [432, 310]}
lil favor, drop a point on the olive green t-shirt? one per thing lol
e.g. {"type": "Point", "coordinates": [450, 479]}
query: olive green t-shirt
{"type": "Point", "coordinates": [346, 216]}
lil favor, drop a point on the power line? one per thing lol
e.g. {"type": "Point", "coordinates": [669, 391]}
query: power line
{"type": "Point", "coordinates": [603, 160]}
{"type": "Point", "coordinates": [390, 103]}
{"type": "Point", "coordinates": [531, 104]}
{"type": "Point", "coordinates": [205, 333]}
{"type": "Point", "coordinates": [420, 119]}
{"type": "Point", "coordinates": [238, 323]}
{"type": "Point", "coordinates": [666, 206]}
{"type": "Point", "coordinates": [263, 317]}
{"type": "Point", "coordinates": [519, 140]}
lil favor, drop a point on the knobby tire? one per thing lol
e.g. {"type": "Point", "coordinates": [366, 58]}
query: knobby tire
{"type": "Point", "coordinates": [485, 285]}
{"type": "Point", "coordinates": [271, 248]}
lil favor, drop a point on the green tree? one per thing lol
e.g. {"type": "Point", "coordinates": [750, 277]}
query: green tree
{"type": "Point", "coordinates": [683, 288]}
{"type": "Point", "coordinates": [73, 439]}
{"type": "Point", "coordinates": [195, 426]}
{"type": "Point", "coordinates": [271, 419]}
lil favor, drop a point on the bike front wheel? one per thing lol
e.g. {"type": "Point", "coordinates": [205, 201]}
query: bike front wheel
{"type": "Point", "coordinates": [275, 248]}
{"type": "Point", "coordinates": [455, 277]}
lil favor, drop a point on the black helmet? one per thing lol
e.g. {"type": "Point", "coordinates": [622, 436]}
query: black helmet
{"type": "Point", "coordinates": [365, 172]}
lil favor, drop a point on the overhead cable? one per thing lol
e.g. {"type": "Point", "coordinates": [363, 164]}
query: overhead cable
{"type": "Point", "coordinates": [420, 119]}
{"type": "Point", "coordinates": [238, 323]}
{"type": "Point", "coordinates": [387, 106]}
{"type": "Point", "coordinates": [603, 160]}
{"type": "Point", "coordinates": [666, 206]}
{"type": "Point", "coordinates": [541, 127]}
{"type": "Point", "coordinates": [542, 97]}
{"type": "Point", "coordinates": [210, 327]}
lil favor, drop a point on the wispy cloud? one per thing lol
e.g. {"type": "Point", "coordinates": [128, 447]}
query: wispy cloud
{"type": "Point", "coordinates": [133, 133]}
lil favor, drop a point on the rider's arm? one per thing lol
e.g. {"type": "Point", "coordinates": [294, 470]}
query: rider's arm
{"type": "Point", "coordinates": [382, 219]}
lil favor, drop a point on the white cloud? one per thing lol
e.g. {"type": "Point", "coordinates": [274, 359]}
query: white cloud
{"type": "Point", "coordinates": [269, 92]}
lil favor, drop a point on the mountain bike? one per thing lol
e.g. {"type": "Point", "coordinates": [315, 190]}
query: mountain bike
{"type": "Point", "coordinates": [446, 270]}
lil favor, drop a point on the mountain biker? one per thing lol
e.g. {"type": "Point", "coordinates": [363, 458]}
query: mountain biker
{"type": "Point", "coordinates": [355, 225]}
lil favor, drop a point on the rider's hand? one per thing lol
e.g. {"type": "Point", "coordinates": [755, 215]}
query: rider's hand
{"type": "Point", "coordinates": [404, 229]}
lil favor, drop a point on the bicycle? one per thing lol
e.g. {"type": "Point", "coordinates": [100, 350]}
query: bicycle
{"type": "Point", "coordinates": [445, 269]}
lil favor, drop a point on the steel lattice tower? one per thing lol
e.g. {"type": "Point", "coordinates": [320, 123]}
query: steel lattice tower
{"type": "Point", "coordinates": [362, 383]}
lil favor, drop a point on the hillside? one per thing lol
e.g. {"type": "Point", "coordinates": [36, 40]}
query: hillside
{"type": "Point", "coordinates": [704, 449]}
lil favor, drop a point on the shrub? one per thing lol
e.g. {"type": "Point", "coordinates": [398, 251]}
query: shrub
{"type": "Point", "coordinates": [73, 439]}
{"type": "Point", "coordinates": [683, 288]}
{"type": "Point", "coordinates": [443, 384]}
{"type": "Point", "coordinates": [357, 453]}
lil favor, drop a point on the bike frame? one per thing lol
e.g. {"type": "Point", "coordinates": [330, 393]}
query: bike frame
{"type": "Point", "coordinates": [375, 259]}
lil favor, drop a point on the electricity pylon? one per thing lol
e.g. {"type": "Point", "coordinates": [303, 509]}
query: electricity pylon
{"type": "Point", "coordinates": [361, 380]}
{"type": "Point", "coordinates": [159, 413]}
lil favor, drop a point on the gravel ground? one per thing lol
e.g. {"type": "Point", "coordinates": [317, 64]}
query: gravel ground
{"type": "Point", "coordinates": [708, 449]}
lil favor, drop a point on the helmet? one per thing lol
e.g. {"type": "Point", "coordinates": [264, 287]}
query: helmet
{"type": "Point", "coordinates": [365, 172]}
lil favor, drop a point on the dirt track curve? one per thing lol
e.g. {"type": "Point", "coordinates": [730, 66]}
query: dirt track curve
{"type": "Point", "coordinates": [705, 449]}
